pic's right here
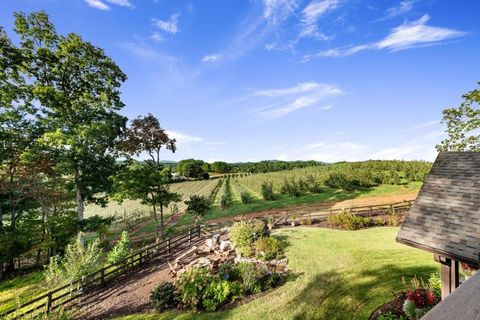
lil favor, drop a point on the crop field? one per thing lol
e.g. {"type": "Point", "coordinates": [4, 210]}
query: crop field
{"type": "Point", "coordinates": [134, 208]}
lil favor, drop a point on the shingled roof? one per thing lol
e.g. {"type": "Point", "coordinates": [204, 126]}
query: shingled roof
{"type": "Point", "coordinates": [445, 217]}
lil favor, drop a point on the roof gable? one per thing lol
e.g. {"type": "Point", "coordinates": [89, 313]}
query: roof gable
{"type": "Point", "coordinates": [445, 217]}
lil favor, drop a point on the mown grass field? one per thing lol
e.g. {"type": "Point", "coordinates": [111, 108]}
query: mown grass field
{"type": "Point", "coordinates": [339, 275]}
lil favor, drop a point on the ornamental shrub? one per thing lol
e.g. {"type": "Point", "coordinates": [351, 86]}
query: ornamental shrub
{"type": "Point", "coordinates": [348, 220]}
{"type": "Point", "coordinates": [244, 233]}
{"type": "Point", "coordinates": [192, 285]}
{"type": "Point", "coordinates": [216, 294]}
{"type": "Point", "coordinates": [164, 297]}
{"type": "Point", "coordinates": [268, 248]}
{"type": "Point", "coordinates": [251, 277]}
{"type": "Point", "coordinates": [435, 284]}
{"type": "Point", "coordinates": [228, 271]}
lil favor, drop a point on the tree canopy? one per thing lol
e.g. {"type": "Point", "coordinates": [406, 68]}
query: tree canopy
{"type": "Point", "coordinates": [463, 124]}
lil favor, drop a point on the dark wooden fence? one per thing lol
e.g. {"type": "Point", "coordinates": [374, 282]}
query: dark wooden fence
{"type": "Point", "coordinates": [68, 293]}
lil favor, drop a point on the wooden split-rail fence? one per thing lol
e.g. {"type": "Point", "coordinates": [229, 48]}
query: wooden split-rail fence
{"type": "Point", "coordinates": [322, 215]}
{"type": "Point", "coordinates": [66, 294]}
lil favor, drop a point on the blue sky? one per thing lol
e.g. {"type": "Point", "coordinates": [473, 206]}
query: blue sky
{"type": "Point", "coordinates": [241, 80]}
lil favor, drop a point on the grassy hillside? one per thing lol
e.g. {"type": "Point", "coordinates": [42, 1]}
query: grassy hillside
{"type": "Point", "coordinates": [339, 275]}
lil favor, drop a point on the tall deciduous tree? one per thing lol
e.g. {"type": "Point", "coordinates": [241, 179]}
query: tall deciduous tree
{"type": "Point", "coordinates": [76, 88]}
{"type": "Point", "coordinates": [463, 124]}
{"type": "Point", "coordinates": [146, 135]}
{"type": "Point", "coordinates": [149, 184]}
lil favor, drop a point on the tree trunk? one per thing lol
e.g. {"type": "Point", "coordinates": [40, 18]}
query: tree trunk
{"type": "Point", "coordinates": [162, 232]}
{"type": "Point", "coordinates": [80, 204]}
{"type": "Point", "coordinates": [156, 222]}
{"type": "Point", "coordinates": [80, 200]}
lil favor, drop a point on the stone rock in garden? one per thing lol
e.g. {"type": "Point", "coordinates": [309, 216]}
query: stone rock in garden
{"type": "Point", "coordinates": [209, 243]}
{"type": "Point", "coordinates": [215, 238]}
{"type": "Point", "coordinates": [224, 245]}
{"type": "Point", "coordinates": [273, 262]}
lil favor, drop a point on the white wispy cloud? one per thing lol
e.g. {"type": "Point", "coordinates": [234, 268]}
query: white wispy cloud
{"type": "Point", "coordinates": [310, 15]}
{"type": "Point", "coordinates": [409, 35]}
{"type": "Point", "coordinates": [403, 7]}
{"type": "Point", "coordinates": [183, 138]}
{"type": "Point", "coordinates": [97, 4]}
{"type": "Point", "coordinates": [286, 100]}
{"type": "Point", "coordinates": [168, 26]}
{"type": "Point", "coordinates": [122, 3]}
{"type": "Point", "coordinates": [275, 11]}
{"type": "Point", "coordinates": [211, 57]}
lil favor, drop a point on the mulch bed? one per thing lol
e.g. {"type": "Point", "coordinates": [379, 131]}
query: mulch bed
{"type": "Point", "coordinates": [395, 307]}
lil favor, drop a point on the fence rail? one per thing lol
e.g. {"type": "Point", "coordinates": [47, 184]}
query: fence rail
{"type": "Point", "coordinates": [56, 298]}
{"type": "Point", "coordinates": [322, 215]}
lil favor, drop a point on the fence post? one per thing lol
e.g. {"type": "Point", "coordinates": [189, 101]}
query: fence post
{"type": "Point", "coordinates": [189, 235]}
{"type": "Point", "coordinates": [198, 231]}
{"type": "Point", "coordinates": [102, 277]}
{"type": "Point", "coordinates": [49, 302]}
{"type": "Point", "coordinates": [392, 210]}
{"type": "Point", "coordinates": [168, 243]}
{"type": "Point", "coordinates": [140, 258]}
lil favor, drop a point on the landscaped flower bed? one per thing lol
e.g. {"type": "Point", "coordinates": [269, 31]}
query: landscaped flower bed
{"type": "Point", "coordinates": [258, 266]}
{"type": "Point", "coordinates": [417, 299]}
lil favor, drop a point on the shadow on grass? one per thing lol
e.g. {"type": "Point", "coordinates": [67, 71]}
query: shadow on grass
{"type": "Point", "coordinates": [331, 296]}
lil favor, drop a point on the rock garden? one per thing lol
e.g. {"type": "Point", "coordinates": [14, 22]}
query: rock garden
{"type": "Point", "coordinates": [232, 265]}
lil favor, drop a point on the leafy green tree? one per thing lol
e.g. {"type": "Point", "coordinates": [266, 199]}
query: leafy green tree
{"type": "Point", "coordinates": [221, 167]}
{"type": "Point", "coordinates": [197, 206]}
{"type": "Point", "coordinates": [463, 124]}
{"type": "Point", "coordinates": [192, 168]}
{"type": "Point", "coordinates": [148, 183]}
{"type": "Point", "coordinates": [146, 135]}
{"type": "Point", "coordinates": [75, 88]}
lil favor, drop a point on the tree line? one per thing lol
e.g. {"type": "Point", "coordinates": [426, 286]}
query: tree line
{"type": "Point", "coordinates": [61, 137]}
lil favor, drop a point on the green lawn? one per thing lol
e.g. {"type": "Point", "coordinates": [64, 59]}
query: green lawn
{"type": "Point", "coordinates": [20, 289]}
{"type": "Point", "coordinates": [281, 200]}
{"type": "Point", "coordinates": [340, 275]}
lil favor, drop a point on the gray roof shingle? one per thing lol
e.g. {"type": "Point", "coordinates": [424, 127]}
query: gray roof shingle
{"type": "Point", "coordinates": [445, 217]}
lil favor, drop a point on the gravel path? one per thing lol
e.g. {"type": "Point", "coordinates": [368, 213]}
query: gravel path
{"type": "Point", "coordinates": [129, 293]}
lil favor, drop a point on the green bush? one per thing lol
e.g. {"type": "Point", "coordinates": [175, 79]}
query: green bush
{"type": "Point", "coordinates": [390, 316]}
{"type": "Point", "coordinates": [192, 285]}
{"type": "Point", "coordinates": [268, 248]}
{"type": "Point", "coordinates": [349, 220]}
{"type": "Point", "coordinates": [223, 202]}
{"type": "Point", "coordinates": [216, 294]}
{"type": "Point", "coordinates": [80, 259]}
{"type": "Point", "coordinates": [435, 285]}
{"type": "Point", "coordinates": [244, 233]}
{"type": "Point", "coordinates": [121, 250]}
{"type": "Point", "coordinates": [53, 272]}
{"type": "Point", "coordinates": [251, 277]}
{"type": "Point", "coordinates": [292, 188]}
{"type": "Point", "coordinates": [267, 191]}
{"type": "Point", "coordinates": [228, 271]}
{"type": "Point", "coordinates": [164, 297]}
{"type": "Point", "coordinates": [245, 197]}
{"type": "Point", "coordinates": [272, 280]}
{"type": "Point", "coordinates": [306, 221]}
